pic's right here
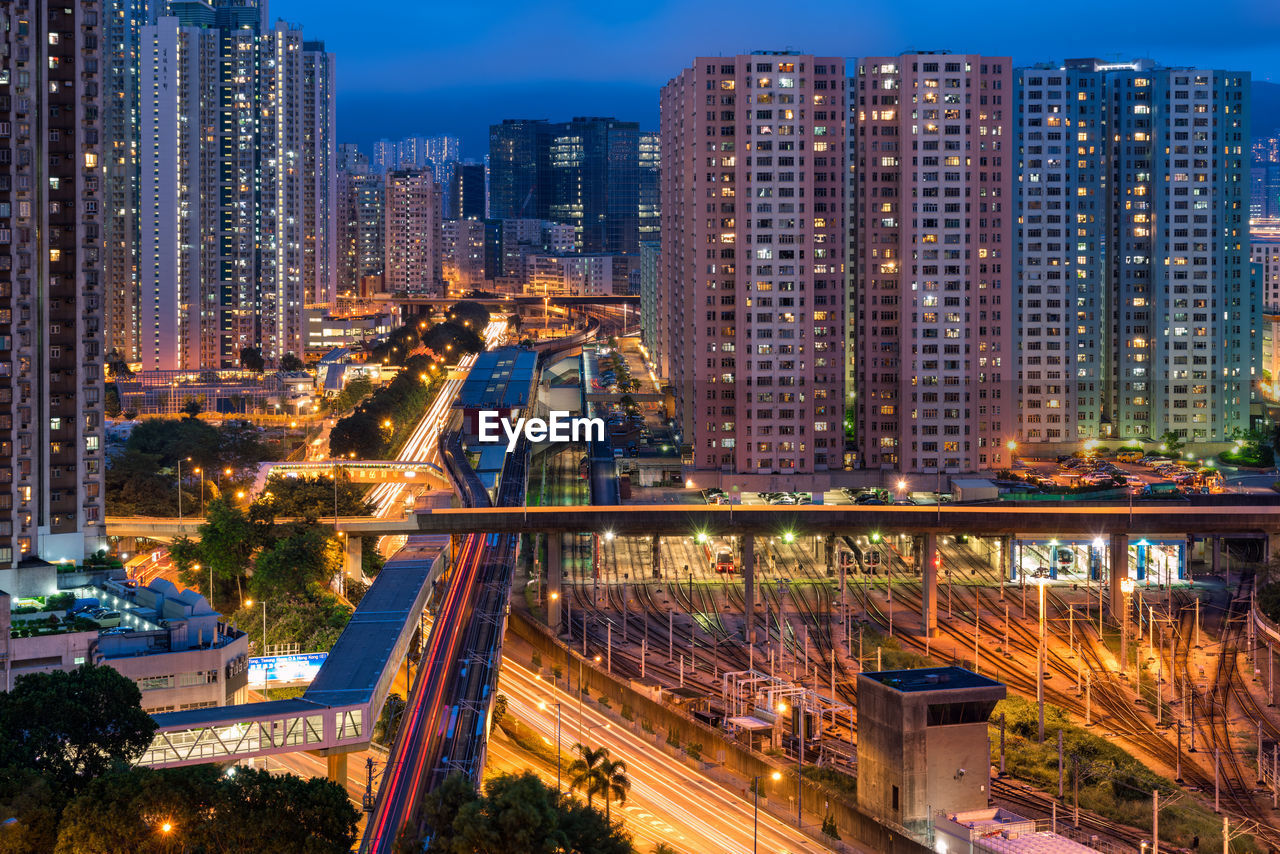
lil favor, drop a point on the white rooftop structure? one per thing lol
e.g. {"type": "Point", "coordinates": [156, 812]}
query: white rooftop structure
{"type": "Point", "coordinates": [997, 831]}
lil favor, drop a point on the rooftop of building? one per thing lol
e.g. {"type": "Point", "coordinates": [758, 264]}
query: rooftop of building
{"type": "Point", "coordinates": [931, 679]}
{"type": "Point", "coordinates": [999, 830]}
{"type": "Point", "coordinates": [499, 379]}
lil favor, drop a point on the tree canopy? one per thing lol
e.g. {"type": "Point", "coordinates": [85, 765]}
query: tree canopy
{"type": "Point", "coordinates": [472, 313]}
{"type": "Point", "coordinates": [516, 813]}
{"type": "Point", "coordinates": [71, 726]}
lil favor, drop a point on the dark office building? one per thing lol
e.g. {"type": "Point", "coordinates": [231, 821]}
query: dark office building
{"type": "Point", "coordinates": [597, 174]}
{"type": "Point", "coordinates": [466, 192]}
{"type": "Point", "coordinates": [518, 166]}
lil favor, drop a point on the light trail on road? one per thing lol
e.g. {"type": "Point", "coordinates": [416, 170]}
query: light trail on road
{"type": "Point", "coordinates": [714, 817]}
{"type": "Point", "coordinates": [423, 443]}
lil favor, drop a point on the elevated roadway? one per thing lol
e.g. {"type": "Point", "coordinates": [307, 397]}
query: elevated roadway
{"type": "Point", "coordinates": [675, 520]}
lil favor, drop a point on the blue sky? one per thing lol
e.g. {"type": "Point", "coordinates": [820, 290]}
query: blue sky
{"type": "Point", "coordinates": [431, 67]}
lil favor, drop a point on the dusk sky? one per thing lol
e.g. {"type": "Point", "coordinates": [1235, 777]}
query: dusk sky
{"type": "Point", "coordinates": [434, 67]}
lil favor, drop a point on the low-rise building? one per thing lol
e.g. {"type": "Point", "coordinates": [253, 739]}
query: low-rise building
{"type": "Point", "coordinates": [326, 330]}
{"type": "Point", "coordinates": [923, 741]}
{"type": "Point", "coordinates": [170, 642]}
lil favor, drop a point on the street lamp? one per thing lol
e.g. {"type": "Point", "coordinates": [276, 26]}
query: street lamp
{"type": "Point", "coordinates": [755, 818]}
{"type": "Point", "coordinates": [248, 603]}
{"type": "Point", "coordinates": [1126, 587]}
{"type": "Point", "coordinates": [198, 470]}
{"type": "Point", "coordinates": [1040, 660]}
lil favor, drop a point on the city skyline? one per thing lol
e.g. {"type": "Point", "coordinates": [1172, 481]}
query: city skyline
{"type": "Point", "coordinates": [482, 71]}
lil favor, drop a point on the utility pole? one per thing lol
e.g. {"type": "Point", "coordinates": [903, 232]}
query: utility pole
{"type": "Point", "coordinates": [1155, 821]}
{"type": "Point", "coordinates": [1059, 764]}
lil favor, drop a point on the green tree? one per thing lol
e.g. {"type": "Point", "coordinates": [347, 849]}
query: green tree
{"type": "Point", "coordinates": [185, 554]}
{"type": "Point", "coordinates": [71, 726]}
{"type": "Point", "coordinates": [313, 497]}
{"type": "Point", "coordinates": [289, 566]}
{"type": "Point", "coordinates": [251, 359]}
{"type": "Point", "coordinates": [520, 813]}
{"type": "Point", "coordinates": [470, 314]}
{"type": "Point", "coordinates": [384, 731]}
{"type": "Point", "coordinates": [290, 362]}
{"type": "Point", "coordinates": [191, 407]}
{"type": "Point", "coordinates": [439, 810]}
{"type": "Point", "coordinates": [584, 772]}
{"type": "Point", "coordinates": [111, 401]}
{"type": "Point", "coordinates": [250, 810]}
{"type": "Point", "coordinates": [31, 807]}
{"type": "Point", "coordinates": [451, 341]}
{"type": "Point", "coordinates": [614, 783]}
{"type": "Point", "coordinates": [117, 366]}
{"type": "Point", "coordinates": [227, 542]}
{"type": "Point", "coordinates": [1172, 441]}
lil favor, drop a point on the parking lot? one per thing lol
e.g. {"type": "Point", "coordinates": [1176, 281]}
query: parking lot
{"type": "Point", "coordinates": [846, 495]}
{"type": "Point", "coordinates": [1149, 476]}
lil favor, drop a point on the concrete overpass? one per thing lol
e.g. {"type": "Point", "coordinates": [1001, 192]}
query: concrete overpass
{"type": "Point", "coordinates": [368, 471]}
{"type": "Point", "coordinates": [1115, 525]}
{"type": "Point", "coordinates": [562, 301]}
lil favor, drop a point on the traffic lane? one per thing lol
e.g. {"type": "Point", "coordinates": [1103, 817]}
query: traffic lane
{"type": "Point", "coordinates": [684, 793]}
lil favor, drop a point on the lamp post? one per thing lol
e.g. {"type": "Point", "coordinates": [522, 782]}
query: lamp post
{"type": "Point", "coordinates": [248, 603]}
{"type": "Point", "coordinates": [755, 818]}
{"type": "Point", "coordinates": [1040, 661]}
{"type": "Point", "coordinates": [196, 567]}
{"type": "Point", "coordinates": [1126, 587]}
{"type": "Point", "coordinates": [200, 471]}
{"type": "Point", "coordinates": [180, 488]}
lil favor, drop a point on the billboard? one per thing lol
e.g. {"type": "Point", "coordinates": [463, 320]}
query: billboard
{"type": "Point", "coordinates": [279, 669]}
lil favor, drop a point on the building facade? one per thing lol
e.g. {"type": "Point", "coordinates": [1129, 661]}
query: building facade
{"type": "Point", "coordinates": [466, 192]}
{"type": "Point", "coordinates": [252, 241]}
{"type": "Point", "coordinates": [1138, 315]}
{"type": "Point", "coordinates": [122, 25]}
{"type": "Point", "coordinates": [931, 287]}
{"type": "Point", "coordinates": [362, 222]}
{"type": "Point", "coordinates": [412, 234]}
{"type": "Point", "coordinates": [52, 287]}
{"type": "Point", "coordinates": [319, 178]}
{"type": "Point", "coordinates": [1264, 248]}
{"type": "Point", "coordinates": [752, 248]}
{"type": "Point", "coordinates": [462, 248]}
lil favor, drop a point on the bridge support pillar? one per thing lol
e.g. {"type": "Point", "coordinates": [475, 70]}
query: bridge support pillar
{"type": "Point", "coordinates": [929, 585]}
{"type": "Point", "coordinates": [336, 768]}
{"type": "Point", "coordinates": [829, 553]}
{"type": "Point", "coordinates": [655, 555]}
{"type": "Point", "coordinates": [1118, 570]}
{"type": "Point", "coordinates": [1007, 566]}
{"type": "Point", "coordinates": [352, 557]}
{"type": "Point", "coordinates": [555, 579]}
{"type": "Point", "coordinates": [1216, 567]}
{"type": "Point", "coordinates": [748, 588]}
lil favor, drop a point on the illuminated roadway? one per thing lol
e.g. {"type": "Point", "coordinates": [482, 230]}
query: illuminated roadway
{"type": "Point", "coordinates": [702, 814]}
{"type": "Point", "coordinates": [423, 443]}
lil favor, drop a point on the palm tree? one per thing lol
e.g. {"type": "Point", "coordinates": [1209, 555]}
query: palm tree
{"type": "Point", "coordinates": [584, 772]}
{"type": "Point", "coordinates": [614, 784]}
